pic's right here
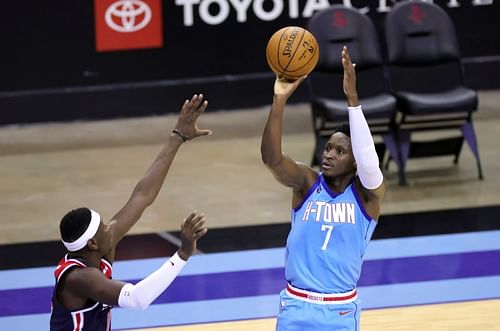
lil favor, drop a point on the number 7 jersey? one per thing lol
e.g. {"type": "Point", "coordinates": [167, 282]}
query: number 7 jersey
{"type": "Point", "coordinates": [328, 238]}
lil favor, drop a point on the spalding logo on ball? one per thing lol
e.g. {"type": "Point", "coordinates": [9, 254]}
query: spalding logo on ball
{"type": "Point", "coordinates": [292, 52]}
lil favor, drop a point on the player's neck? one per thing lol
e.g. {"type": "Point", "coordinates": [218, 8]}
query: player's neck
{"type": "Point", "coordinates": [338, 184]}
{"type": "Point", "coordinates": [91, 259]}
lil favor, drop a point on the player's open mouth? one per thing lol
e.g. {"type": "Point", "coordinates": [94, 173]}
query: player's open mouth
{"type": "Point", "coordinates": [327, 166]}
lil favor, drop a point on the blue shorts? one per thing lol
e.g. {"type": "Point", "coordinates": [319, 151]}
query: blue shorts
{"type": "Point", "coordinates": [295, 314]}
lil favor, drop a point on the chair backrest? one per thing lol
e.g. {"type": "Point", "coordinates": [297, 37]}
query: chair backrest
{"type": "Point", "coordinates": [422, 48]}
{"type": "Point", "coordinates": [338, 26]}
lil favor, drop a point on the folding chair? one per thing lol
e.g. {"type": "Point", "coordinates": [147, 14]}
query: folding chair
{"type": "Point", "coordinates": [426, 76]}
{"type": "Point", "coordinates": [333, 28]}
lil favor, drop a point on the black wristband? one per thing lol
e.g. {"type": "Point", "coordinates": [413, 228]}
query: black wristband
{"type": "Point", "coordinates": [177, 132]}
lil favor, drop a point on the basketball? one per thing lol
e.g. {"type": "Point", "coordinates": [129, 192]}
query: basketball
{"type": "Point", "coordinates": [292, 52]}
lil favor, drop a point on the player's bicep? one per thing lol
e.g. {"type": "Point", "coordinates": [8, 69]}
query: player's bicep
{"type": "Point", "coordinates": [126, 217]}
{"type": "Point", "coordinates": [91, 283]}
{"type": "Point", "coordinates": [290, 173]}
{"type": "Point", "coordinates": [375, 194]}
{"type": "Point", "coordinates": [371, 198]}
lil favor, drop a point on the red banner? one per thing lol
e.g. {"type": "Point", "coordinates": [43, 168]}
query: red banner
{"type": "Point", "coordinates": [128, 24]}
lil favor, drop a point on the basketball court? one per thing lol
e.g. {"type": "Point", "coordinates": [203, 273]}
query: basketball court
{"type": "Point", "coordinates": [434, 262]}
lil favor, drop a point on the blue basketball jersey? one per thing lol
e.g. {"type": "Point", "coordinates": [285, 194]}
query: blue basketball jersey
{"type": "Point", "coordinates": [95, 316]}
{"type": "Point", "coordinates": [328, 238]}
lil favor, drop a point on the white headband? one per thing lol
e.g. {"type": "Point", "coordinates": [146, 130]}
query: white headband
{"type": "Point", "coordinates": [95, 220]}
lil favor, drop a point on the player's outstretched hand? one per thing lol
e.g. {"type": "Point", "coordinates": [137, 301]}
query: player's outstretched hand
{"type": "Point", "coordinates": [187, 121]}
{"type": "Point", "coordinates": [192, 229]}
{"type": "Point", "coordinates": [349, 78]}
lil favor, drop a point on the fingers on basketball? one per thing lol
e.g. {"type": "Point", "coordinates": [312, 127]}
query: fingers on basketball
{"type": "Point", "coordinates": [292, 52]}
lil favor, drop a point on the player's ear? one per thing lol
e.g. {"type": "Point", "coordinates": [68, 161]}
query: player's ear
{"type": "Point", "coordinates": [92, 244]}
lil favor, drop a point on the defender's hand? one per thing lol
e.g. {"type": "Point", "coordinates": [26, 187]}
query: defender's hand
{"type": "Point", "coordinates": [192, 229]}
{"type": "Point", "coordinates": [187, 122]}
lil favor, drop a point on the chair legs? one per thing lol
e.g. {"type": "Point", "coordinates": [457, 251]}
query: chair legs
{"type": "Point", "coordinates": [470, 137]}
{"type": "Point", "coordinates": [457, 155]}
{"type": "Point", "coordinates": [399, 149]}
{"type": "Point", "coordinates": [398, 145]}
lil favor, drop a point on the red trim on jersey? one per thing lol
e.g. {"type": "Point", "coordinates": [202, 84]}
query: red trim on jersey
{"type": "Point", "coordinates": [79, 321]}
{"type": "Point", "coordinates": [106, 268]}
{"type": "Point", "coordinates": [319, 296]}
{"type": "Point", "coordinates": [66, 264]}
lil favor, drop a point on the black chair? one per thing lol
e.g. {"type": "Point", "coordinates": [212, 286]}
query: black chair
{"type": "Point", "coordinates": [426, 75]}
{"type": "Point", "coordinates": [333, 28]}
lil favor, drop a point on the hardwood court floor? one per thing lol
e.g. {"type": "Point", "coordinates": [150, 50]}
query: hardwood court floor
{"type": "Point", "coordinates": [48, 169]}
{"type": "Point", "coordinates": [460, 316]}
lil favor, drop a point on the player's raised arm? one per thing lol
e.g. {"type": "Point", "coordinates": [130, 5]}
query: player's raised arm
{"type": "Point", "coordinates": [150, 184]}
{"type": "Point", "coordinates": [284, 169]}
{"type": "Point", "coordinates": [363, 147]}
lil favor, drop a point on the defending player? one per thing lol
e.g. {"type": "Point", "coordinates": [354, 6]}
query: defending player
{"type": "Point", "coordinates": [84, 292]}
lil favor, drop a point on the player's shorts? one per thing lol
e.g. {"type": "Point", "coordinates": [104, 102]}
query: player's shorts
{"type": "Point", "coordinates": [307, 311]}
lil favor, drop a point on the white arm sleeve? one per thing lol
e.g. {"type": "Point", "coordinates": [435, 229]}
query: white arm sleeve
{"type": "Point", "coordinates": [363, 149]}
{"type": "Point", "coordinates": [140, 295]}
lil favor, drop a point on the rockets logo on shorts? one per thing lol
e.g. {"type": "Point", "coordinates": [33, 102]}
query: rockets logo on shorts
{"type": "Point", "coordinates": [282, 304]}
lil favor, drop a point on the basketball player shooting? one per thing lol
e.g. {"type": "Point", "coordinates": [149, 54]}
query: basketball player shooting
{"type": "Point", "coordinates": [334, 214]}
{"type": "Point", "coordinates": [84, 291]}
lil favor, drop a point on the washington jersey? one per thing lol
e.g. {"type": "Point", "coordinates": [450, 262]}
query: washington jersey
{"type": "Point", "coordinates": [328, 238]}
{"type": "Point", "coordinates": [95, 316]}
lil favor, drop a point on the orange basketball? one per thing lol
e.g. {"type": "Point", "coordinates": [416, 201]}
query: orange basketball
{"type": "Point", "coordinates": [292, 52]}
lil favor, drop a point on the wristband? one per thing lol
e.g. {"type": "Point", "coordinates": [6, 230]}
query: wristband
{"type": "Point", "coordinates": [354, 108]}
{"type": "Point", "coordinates": [177, 132]}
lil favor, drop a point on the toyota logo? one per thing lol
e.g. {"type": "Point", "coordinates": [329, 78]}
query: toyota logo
{"type": "Point", "coordinates": [128, 15]}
